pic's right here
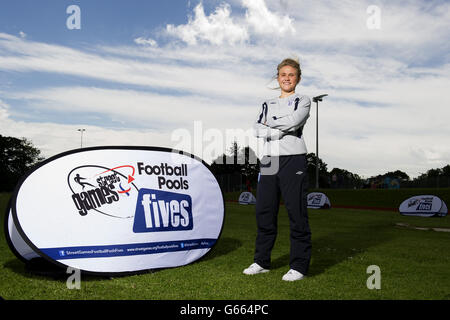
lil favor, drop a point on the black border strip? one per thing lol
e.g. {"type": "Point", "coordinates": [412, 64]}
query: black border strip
{"type": "Point", "coordinates": [13, 200]}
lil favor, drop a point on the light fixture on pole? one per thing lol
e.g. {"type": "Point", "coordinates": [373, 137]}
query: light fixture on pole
{"type": "Point", "coordinates": [81, 130]}
{"type": "Point", "coordinates": [316, 100]}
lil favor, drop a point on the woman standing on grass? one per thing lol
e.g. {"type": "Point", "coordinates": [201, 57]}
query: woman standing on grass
{"type": "Point", "coordinates": [283, 171]}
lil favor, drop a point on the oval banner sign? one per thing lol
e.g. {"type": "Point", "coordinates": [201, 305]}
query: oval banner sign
{"type": "Point", "coordinates": [16, 242]}
{"type": "Point", "coordinates": [247, 198]}
{"type": "Point", "coordinates": [117, 209]}
{"type": "Point", "coordinates": [423, 206]}
{"type": "Point", "coordinates": [318, 200]}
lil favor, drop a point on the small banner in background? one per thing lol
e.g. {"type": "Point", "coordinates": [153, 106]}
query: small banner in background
{"type": "Point", "coordinates": [247, 198]}
{"type": "Point", "coordinates": [424, 206]}
{"type": "Point", "coordinates": [318, 200]}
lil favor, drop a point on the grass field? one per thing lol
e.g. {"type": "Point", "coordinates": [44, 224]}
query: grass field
{"type": "Point", "coordinates": [414, 263]}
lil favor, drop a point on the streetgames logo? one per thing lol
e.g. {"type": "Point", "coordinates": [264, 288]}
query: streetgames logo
{"type": "Point", "coordinates": [100, 188]}
{"type": "Point", "coordinates": [245, 197]}
{"type": "Point", "coordinates": [422, 204]}
{"type": "Point", "coordinates": [314, 199]}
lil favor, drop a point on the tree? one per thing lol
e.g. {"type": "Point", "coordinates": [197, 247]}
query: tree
{"type": "Point", "coordinates": [240, 162]}
{"type": "Point", "coordinates": [341, 178]}
{"type": "Point", "coordinates": [323, 172]}
{"type": "Point", "coordinates": [433, 173]}
{"type": "Point", "coordinates": [17, 156]}
{"type": "Point", "coordinates": [446, 171]}
{"type": "Point", "coordinates": [436, 177]}
{"type": "Point", "coordinates": [389, 180]}
{"type": "Point", "coordinates": [226, 164]}
{"type": "Point", "coordinates": [397, 174]}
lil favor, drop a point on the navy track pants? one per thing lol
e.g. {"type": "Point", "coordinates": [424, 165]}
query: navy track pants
{"type": "Point", "coordinates": [291, 181]}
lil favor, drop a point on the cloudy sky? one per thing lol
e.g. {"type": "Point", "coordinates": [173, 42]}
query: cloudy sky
{"type": "Point", "coordinates": [190, 74]}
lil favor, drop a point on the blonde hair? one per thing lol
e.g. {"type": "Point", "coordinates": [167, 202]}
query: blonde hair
{"type": "Point", "coordinates": [292, 62]}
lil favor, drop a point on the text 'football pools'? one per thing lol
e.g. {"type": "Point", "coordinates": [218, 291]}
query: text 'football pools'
{"type": "Point", "coordinates": [164, 169]}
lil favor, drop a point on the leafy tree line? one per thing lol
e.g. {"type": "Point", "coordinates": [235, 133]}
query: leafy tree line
{"type": "Point", "coordinates": [17, 156]}
{"type": "Point", "coordinates": [438, 177]}
{"type": "Point", "coordinates": [443, 172]}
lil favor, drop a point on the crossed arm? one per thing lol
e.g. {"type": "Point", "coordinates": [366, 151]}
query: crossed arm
{"type": "Point", "coordinates": [274, 128]}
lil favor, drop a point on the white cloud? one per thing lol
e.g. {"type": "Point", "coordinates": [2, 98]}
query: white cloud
{"type": "Point", "coordinates": [412, 32]}
{"type": "Point", "coordinates": [4, 114]}
{"type": "Point", "coordinates": [217, 28]}
{"type": "Point", "coordinates": [131, 106]}
{"type": "Point", "coordinates": [52, 138]}
{"type": "Point", "coordinates": [265, 22]}
{"type": "Point", "coordinates": [220, 28]}
{"type": "Point", "coordinates": [224, 93]}
{"type": "Point", "coordinates": [146, 42]}
{"type": "Point", "coordinates": [203, 133]}
{"type": "Point", "coordinates": [22, 34]}
{"type": "Point", "coordinates": [26, 56]}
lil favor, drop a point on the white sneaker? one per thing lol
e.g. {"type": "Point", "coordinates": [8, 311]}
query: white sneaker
{"type": "Point", "coordinates": [293, 275]}
{"type": "Point", "coordinates": [254, 269]}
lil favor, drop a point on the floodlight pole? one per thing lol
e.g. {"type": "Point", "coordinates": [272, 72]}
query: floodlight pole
{"type": "Point", "coordinates": [81, 130]}
{"type": "Point", "coordinates": [316, 100]}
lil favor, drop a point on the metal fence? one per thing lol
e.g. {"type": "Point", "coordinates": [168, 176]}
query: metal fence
{"type": "Point", "coordinates": [433, 182]}
{"type": "Point", "coordinates": [232, 182]}
{"type": "Point", "coordinates": [237, 182]}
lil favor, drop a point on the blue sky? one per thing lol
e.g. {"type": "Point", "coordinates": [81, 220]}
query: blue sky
{"type": "Point", "coordinates": [103, 21]}
{"type": "Point", "coordinates": [166, 72]}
